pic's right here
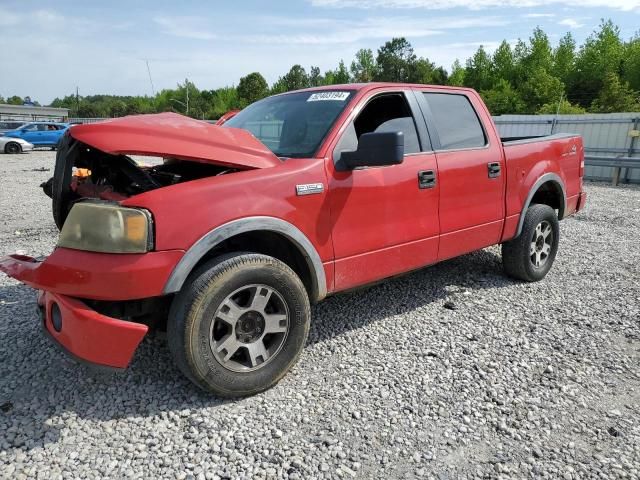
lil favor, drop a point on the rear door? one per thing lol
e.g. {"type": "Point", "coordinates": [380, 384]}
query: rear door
{"type": "Point", "coordinates": [385, 219]}
{"type": "Point", "coordinates": [470, 170]}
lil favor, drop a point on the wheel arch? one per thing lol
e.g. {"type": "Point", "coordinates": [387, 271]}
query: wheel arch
{"type": "Point", "coordinates": [548, 190]}
{"type": "Point", "coordinates": [12, 142]}
{"type": "Point", "coordinates": [278, 238]}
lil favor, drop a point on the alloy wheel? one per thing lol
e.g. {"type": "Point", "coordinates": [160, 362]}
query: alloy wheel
{"type": "Point", "coordinates": [250, 327]}
{"type": "Point", "coordinates": [541, 244]}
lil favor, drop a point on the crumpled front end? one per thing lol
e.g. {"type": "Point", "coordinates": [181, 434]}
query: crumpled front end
{"type": "Point", "coordinates": [87, 335]}
{"type": "Point", "coordinates": [98, 307]}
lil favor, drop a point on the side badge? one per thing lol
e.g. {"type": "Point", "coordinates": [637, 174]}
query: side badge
{"type": "Point", "coordinates": [309, 188]}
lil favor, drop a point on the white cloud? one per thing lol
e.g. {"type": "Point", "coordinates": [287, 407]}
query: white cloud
{"type": "Point", "coordinates": [445, 54]}
{"type": "Point", "coordinates": [538, 15]}
{"type": "Point", "coordinates": [571, 23]}
{"type": "Point", "coordinates": [626, 5]}
{"type": "Point", "coordinates": [351, 31]}
{"type": "Point", "coordinates": [185, 27]}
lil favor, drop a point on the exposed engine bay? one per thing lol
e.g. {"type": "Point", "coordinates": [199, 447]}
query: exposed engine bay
{"type": "Point", "coordinates": [83, 172]}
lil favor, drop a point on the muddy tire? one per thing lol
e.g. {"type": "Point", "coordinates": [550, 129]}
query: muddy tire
{"type": "Point", "coordinates": [529, 256]}
{"type": "Point", "coordinates": [239, 324]}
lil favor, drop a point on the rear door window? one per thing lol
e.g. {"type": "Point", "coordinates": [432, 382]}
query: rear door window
{"type": "Point", "coordinates": [456, 122]}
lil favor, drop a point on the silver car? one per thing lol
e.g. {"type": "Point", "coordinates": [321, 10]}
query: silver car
{"type": "Point", "coordinates": [14, 145]}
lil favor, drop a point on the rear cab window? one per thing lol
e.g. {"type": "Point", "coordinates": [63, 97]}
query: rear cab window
{"type": "Point", "coordinates": [455, 120]}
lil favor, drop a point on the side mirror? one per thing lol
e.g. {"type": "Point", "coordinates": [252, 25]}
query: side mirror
{"type": "Point", "coordinates": [376, 149]}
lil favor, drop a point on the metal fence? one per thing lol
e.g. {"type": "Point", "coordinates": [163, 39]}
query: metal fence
{"type": "Point", "coordinates": [86, 120]}
{"type": "Point", "coordinates": [611, 140]}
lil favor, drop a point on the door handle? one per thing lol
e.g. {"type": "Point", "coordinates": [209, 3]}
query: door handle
{"type": "Point", "coordinates": [426, 179]}
{"type": "Point", "coordinates": [494, 169]}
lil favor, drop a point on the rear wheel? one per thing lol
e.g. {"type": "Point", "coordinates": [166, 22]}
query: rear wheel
{"type": "Point", "coordinates": [239, 324]}
{"type": "Point", "coordinates": [12, 147]}
{"type": "Point", "coordinates": [529, 257]}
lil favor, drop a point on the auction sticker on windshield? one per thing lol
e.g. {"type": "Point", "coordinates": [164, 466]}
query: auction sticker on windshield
{"type": "Point", "coordinates": [324, 96]}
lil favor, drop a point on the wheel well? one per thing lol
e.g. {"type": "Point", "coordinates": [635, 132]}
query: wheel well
{"type": "Point", "coordinates": [267, 243]}
{"type": "Point", "coordinates": [550, 193]}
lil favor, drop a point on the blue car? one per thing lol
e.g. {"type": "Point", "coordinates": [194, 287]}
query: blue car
{"type": "Point", "coordinates": [40, 134]}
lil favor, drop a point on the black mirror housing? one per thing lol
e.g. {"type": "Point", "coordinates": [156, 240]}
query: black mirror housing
{"type": "Point", "coordinates": [376, 149]}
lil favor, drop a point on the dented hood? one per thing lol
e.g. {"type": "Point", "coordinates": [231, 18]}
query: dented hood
{"type": "Point", "coordinates": [171, 135]}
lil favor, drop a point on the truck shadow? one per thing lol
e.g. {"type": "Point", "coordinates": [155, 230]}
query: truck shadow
{"type": "Point", "coordinates": [42, 391]}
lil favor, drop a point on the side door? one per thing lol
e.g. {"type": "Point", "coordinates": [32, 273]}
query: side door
{"type": "Point", "coordinates": [471, 170]}
{"type": "Point", "coordinates": [29, 133]}
{"type": "Point", "coordinates": [384, 219]}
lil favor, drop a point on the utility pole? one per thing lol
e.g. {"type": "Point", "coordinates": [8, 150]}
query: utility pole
{"type": "Point", "coordinates": [187, 85]}
{"type": "Point", "coordinates": [77, 102]}
{"type": "Point", "coordinates": [153, 90]}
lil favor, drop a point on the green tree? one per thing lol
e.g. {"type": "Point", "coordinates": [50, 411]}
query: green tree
{"type": "Point", "coordinates": [2, 100]}
{"type": "Point", "coordinates": [252, 88]}
{"type": "Point", "coordinates": [363, 67]}
{"type": "Point", "coordinates": [426, 72]}
{"type": "Point", "coordinates": [329, 78]}
{"type": "Point", "coordinates": [479, 71]}
{"type": "Point", "coordinates": [224, 100]}
{"type": "Point", "coordinates": [601, 54]}
{"type": "Point", "coordinates": [520, 53]}
{"type": "Point", "coordinates": [564, 58]}
{"type": "Point", "coordinates": [295, 79]}
{"type": "Point", "coordinates": [503, 62]}
{"type": "Point", "coordinates": [458, 72]}
{"type": "Point", "coordinates": [616, 96]}
{"type": "Point", "coordinates": [503, 99]}
{"type": "Point", "coordinates": [315, 77]}
{"type": "Point", "coordinates": [341, 74]}
{"type": "Point", "coordinates": [539, 54]}
{"type": "Point", "coordinates": [395, 61]}
{"type": "Point", "coordinates": [540, 88]}
{"type": "Point", "coordinates": [15, 100]}
{"type": "Point", "coordinates": [631, 63]}
{"type": "Point", "coordinates": [563, 108]}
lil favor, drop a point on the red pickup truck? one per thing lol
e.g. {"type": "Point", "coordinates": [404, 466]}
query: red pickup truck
{"type": "Point", "coordinates": [299, 196]}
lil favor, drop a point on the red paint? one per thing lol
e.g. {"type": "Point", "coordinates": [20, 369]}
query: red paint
{"type": "Point", "coordinates": [366, 225]}
{"type": "Point", "coordinates": [176, 136]}
{"type": "Point", "coordinates": [91, 336]}
{"type": "Point", "coordinates": [97, 276]}
{"type": "Point", "coordinates": [226, 117]}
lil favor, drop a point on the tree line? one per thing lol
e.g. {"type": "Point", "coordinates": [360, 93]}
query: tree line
{"type": "Point", "coordinates": [533, 76]}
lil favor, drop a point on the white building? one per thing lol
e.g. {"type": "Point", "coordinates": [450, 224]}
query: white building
{"type": "Point", "coordinates": [32, 113]}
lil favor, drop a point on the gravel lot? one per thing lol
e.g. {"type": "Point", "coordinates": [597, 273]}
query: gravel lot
{"type": "Point", "coordinates": [451, 372]}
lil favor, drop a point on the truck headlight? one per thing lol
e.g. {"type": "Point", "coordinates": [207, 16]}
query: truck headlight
{"type": "Point", "coordinates": [107, 228]}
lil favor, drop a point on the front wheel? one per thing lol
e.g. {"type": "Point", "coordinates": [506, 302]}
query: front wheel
{"type": "Point", "coordinates": [239, 324]}
{"type": "Point", "coordinates": [529, 256]}
{"type": "Point", "coordinates": [12, 147]}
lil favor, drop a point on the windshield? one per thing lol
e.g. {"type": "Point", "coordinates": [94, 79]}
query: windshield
{"type": "Point", "coordinates": [292, 125]}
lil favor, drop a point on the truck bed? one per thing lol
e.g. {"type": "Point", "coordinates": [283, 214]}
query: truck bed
{"type": "Point", "coordinates": [506, 141]}
{"type": "Point", "coordinates": [528, 157]}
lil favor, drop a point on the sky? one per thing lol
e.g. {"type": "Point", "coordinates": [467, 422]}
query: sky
{"type": "Point", "coordinates": [48, 48]}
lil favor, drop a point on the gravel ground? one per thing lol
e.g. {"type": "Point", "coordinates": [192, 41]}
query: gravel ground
{"type": "Point", "coordinates": [451, 372]}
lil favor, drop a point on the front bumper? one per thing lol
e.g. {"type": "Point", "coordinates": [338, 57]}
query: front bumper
{"type": "Point", "coordinates": [67, 276]}
{"type": "Point", "coordinates": [96, 276]}
{"type": "Point", "coordinates": [87, 335]}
